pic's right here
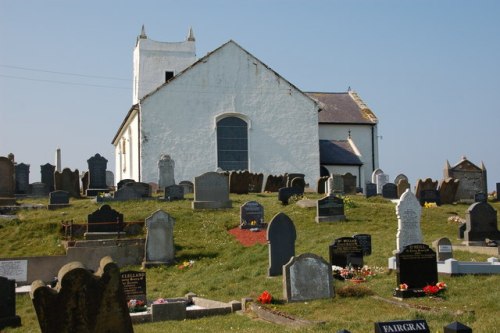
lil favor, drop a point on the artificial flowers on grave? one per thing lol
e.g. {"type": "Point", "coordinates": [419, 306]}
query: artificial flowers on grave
{"type": "Point", "coordinates": [186, 264]}
{"type": "Point", "coordinates": [265, 298]}
{"type": "Point", "coordinates": [403, 286]}
{"type": "Point", "coordinates": [136, 305]}
{"type": "Point", "coordinates": [435, 290]}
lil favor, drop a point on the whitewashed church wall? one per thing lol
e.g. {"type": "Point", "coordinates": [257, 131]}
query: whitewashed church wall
{"type": "Point", "coordinates": [127, 152]}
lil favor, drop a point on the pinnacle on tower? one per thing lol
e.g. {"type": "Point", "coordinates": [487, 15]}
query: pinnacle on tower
{"type": "Point", "coordinates": [143, 33]}
{"type": "Point", "coordinates": [190, 36]}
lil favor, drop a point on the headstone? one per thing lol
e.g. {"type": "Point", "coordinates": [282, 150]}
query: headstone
{"type": "Point", "coordinates": [321, 186]}
{"type": "Point", "coordinates": [382, 179]}
{"type": "Point", "coordinates": [371, 190]}
{"type": "Point", "coordinates": [142, 189]}
{"type": "Point", "coordinates": [429, 196]}
{"type": "Point", "coordinates": [400, 177]}
{"type": "Point", "coordinates": [14, 270]}
{"type": "Point", "coordinates": [160, 249]}
{"type": "Point", "coordinates": [346, 251]}
{"type": "Point", "coordinates": [417, 268]}
{"type": "Point", "coordinates": [8, 317]}
{"type": "Point", "coordinates": [123, 182]}
{"type": "Point", "coordinates": [408, 211]}
{"type": "Point", "coordinates": [281, 237]}
{"type": "Point", "coordinates": [365, 241]}
{"type": "Point", "coordinates": [97, 175]}
{"type": "Point", "coordinates": [480, 197]}
{"type": "Point", "coordinates": [251, 215]}
{"type": "Point", "coordinates": [256, 181]}
{"type": "Point", "coordinates": [472, 179]}
{"type": "Point", "coordinates": [105, 219]}
{"type": "Point", "coordinates": [390, 191]}
{"type": "Point", "coordinates": [349, 183]}
{"type": "Point", "coordinates": [166, 167]}
{"type": "Point", "coordinates": [85, 181]}
{"type": "Point", "coordinates": [187, 186]}
{"type": "Point", "coordinates": [481, 221]}
{"type": "Point", "coordinates": [402, 185]}
{"type": "Point", "coordinates": [68, 181]}
{"type": "Point", "coordinates": [110, 179]}
{"type": "Point", "coordinates": [422, 185]}
{"type": "Point", "coordinates": [299, 183]}
{"type": "Point", "coordinates": [291, 176]}
{"type": "Point", "coordinates": [335, 185]}
{"type": "Point", "coordinates": [285, 193]}
{"type": "Point", "coordinates": [330, 209]}
{"type": "Point", "coordinates": [126, 193]}
{"type": "Point", "coordinates": [39, 190]}
{"type": "Point", "coordinates": [447, 190]}
{"type": "Point", "coordinates": [22, 178]}
{"type": "Point", "coordinates": [83, 302]}
{"type": "Point", "coordinates": [457, 327]}
{"type": "Point", "coordinates": [307, 277]}
{"type": "Point", "coordinates": [461, 230]}
{"type": "Point", "coordinates": [174, 192]}
{"type": "Point", "coordinates": [47, 175]}
{"type": "Point", "coordinates": [403, 326]}
{"type": "Point", "coordinates": [134, 285]}
{"type": "Point", "coordinates": [375, 173]}
{"type": "Point", "coordinates": [211, 191]}
{"type": "Point", "coordinates": [7, 178]}
{"type": "Point", "coordinates": [443, 248]}
{"type": "Point", "coordinates": [58, 199]}
{"type": "Point", "coordinates": [274, 183]}
{"type": "Point", "coordinates": [239, 182]}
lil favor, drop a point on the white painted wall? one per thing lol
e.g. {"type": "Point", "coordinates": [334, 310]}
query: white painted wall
{"type": "Point", "coordinates": [179, 119]}
{"type": "Point", "coordinates": [127, 151]}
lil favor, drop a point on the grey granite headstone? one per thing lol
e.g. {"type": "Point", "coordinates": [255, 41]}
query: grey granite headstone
{"type": "Point", "coordinates": [160, 249]}
{"type": "Point", "coordinates": [307, 277]}
{"type": "Point", "coordinates": [408, 211]}
{"type": "Point", "coordinates": [281, 237]}
{"type": "Point", "coordinates": [187, 186]}
{"type": "Point", "coordinates": [382, 179]}
{"type": "Point", "coordinates": [349, 183]}
{"type": "Point", "coordinates": [110, 179]}
{"type": "Point", "coordinates": [22, 178]}
{"type": "Point", "coordinates": [7, 178]}
{"type": "Point", "coordinates": [143, 189]}
{"type": "Point", "coordinates": [8, 317]}
{"type": "Point", "coordinates": [174, 192]}
{"type": "Point", "coordinates": [47, 175]}
{"type": "Point", "coordinates": [443, 248]}
{"type": "Point", "coordinates": [330, 209]}
{"type": "Point", "coordinates": [126, 193]}
{"type": "Point", "coordinates": [481, 223]}
{"type": "Point", "coordinates": [166, 167]}
{"type": "Point", "coordinates": [335, 185]}
{"type": "Point", "coordinates": [251, 215]}
{"type": "Point", "coordinates": [211, 191]}
{"type": "Point", "coordinates": [97, 175]}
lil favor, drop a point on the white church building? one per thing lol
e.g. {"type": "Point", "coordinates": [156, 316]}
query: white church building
{"type": "Point", "coordinates": [229, 111]}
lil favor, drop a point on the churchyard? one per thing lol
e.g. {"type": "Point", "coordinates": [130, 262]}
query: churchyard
{"type": "Point", "coordinates": [212, 263]}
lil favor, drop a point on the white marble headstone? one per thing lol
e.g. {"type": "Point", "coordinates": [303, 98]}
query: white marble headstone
{"type": "Point", "coordinates": [408, 211]}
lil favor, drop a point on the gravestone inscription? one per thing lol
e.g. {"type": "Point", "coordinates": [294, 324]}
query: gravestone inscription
{"type": "Point", "coordinates": [403, 326]}
{"type": "Point", "coordinates": [134, 285]}
{"type": "Point", "coordinates": [251, 215]}
{"type": "Point", "coordinates": [417, 268]}
{"type": "Point", "coordinates": [443, 248]}
{"type": "Point", "coordinates": [346, 251]}
{"type": "Point", "coordinates": [330, 209]}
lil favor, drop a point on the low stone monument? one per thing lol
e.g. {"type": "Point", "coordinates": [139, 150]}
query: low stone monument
{"type": "Point", "coordinates": [160, 249]}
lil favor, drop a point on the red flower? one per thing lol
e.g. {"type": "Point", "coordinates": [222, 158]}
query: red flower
{"type": "Point", "coordinates": [431, 290]}
{"type": "Point", "coordinates": [265, 298]}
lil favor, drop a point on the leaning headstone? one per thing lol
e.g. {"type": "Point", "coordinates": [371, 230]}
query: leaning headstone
{"type": "Point", "coordinates": [447, 190]}
{"type": "Point", "coordinates": [8, 317]}
{"type": "Point", "coordinates": [82, 301]}
{"type": "Point", "coordinates": [371, 190]}
{"type": "Point", "coordinates": [160, 249]}
{"type": "Point", "coordinates": [105, 219]}
{"type": "Point", "coordinates": [174, 192]}
{"type": "Point", "coordinates": [166, 167]}
{"type": "Point", "coordinates": [47, 175]}
{"type": "Point", "coordinates": [211, 191]}
{"type": "Point", "coordinates": [443, 248]}
{"type": "Point", "coordinates": [68, 181]}
{"type": "Point", "coordinates": [134, 285]}
{"type": "Point", "coordinates": [417, 268]}
{"type": "Point", "coordinates": [402, 326]}
{"type": "Point", "coordinates": [349, 183]}
{"type": "Point", "coordinates": [251, 215]}
{"type": "Point", "coordinates": [22, 178]}
{"type": "Point", "coordinates": [365, 241]}
{"type": "Point", "coordinates": [346, 251]}
{"type": "Point", "coordinates": [481, 223]}
{"type": "Point", "coordinates": [402, 185]}
{"type": "Point", "coordinates": [307, 277]}
{"type": "Point", "coordinates": [330, 209]}
{"type": "Point", "coordinates": [187, 186]}
{"type": "Point", "coordinates": [281, 237]}
{"type": "Point", "coordinates": [58, 199]}
{"type": "Point", "coordinates": [457, 327]}
{"type": "Point", "coordinates": [472, 179]}
{"type": "Point", "coordinates": [390, 191]}
{"type": "Point", "coordinates": [408, 211]}
{"type": "Point", "coordinates": [97, 175]}
{"type": "Point", "coordinates": [7, 178]}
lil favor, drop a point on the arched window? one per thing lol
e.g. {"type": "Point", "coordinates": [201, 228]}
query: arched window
{"type": "Point", "coordinates": [232, 144]}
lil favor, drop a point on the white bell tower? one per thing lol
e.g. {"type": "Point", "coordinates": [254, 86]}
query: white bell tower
{"type": "Point", "coordinates": [157, 62]}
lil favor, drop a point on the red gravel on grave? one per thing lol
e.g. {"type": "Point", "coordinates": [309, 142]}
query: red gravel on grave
{"type": "Point", "coordinates": [249, 238]}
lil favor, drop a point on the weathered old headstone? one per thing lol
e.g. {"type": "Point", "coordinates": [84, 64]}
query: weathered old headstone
{"type": "Point", "coordinates": [307, 277]}
{"type": "Point", "coordinates": [427, 184]}
{"type": "Point", "coordinates": [447, 190]}
{"type": "Point", "coordinates": [443, 248]}
{"type": "Point", "coordinates": [166, 167]}
{"type": "Point", "coordinates": [82, 301]}
{"type": "Point", "coordinates": [291, 176]}
{"type": "Point", "coordinates": [335, 185]}
{"type": "Point", "coordinates": [472, 179]}
{"type": "Point", "coordinates": [239, 182]}
{"type": "Point", "coordinates": [429, 196]}
{"type": "Point", "coordinates": [251, 215]}
{"type": "Point", "coordinates": [399, 177]}
{"type": "Point", "coordinates": [408, 211]}
{"type": "Point", "coordinates": [85, 181]}
{"type": "Point", "coordinates": [281, 237]}
{"type": "Point", "coordinates": [274, 183]}
{"type": "Point", "coordinates": [402, 185]}
{"type": "Point", "coordinates": [68, 181]}
{"type": "Point", "coordinates": [330, 209]}
{"type": "Point", "coordinates": [174, 192]}
{"type": "Point", "coordinates": [97, 175]}
{"type": "Point", "coordinates": [8, 317]}
{"type": "Point", "coordinates": [110, 179]}
{"type": "Point", "coordinates": [211, 191]}
{"type": "Point", "coordinates": [285, 193]}
{"type": "Point", "coordinates": [375, 173]}
{"type": "Point", "coordinates": [126, 193]}
{"type": "Point", "coordinates": [256, 181]}
{"type": "Point", "coordinates": [481, 223]}
{"type": "Point", "coordinates": [370, 190]}
{"type": "Point", "coordinates": [382, 179]}
{"type": "Point", "coordinates": [58, 199]}
{"type": "Point", "coordinates": [160, 249]}
{"type": "Point", "coordinates": [22, 178]}
{"type": "Point", "coordinates": [417, 268]}
{"type": "Point", "coordinates": [480, 197]}
{"type": "Point", "coordinates": [346, 251]}
{"type": "Point", "coordinates": [38, 189]}
{"type": "Point", "coordinates": [134, 285]}
{"type": "Point", "coordinates": [321, 186]}
{"type": "Point", "coordinates": [47, 175]}
{"type": "Point", "coordinates": [143, 189]}
{"type": "Point", "coordinates": [299, 183]}
{"type": "Point", "coordinates": [390, 191]}
{"type": "Point", "coordinates": [7, 178]}
{"type": "Point", "coordinates": [365, 241]}
{"type": "Point", "coordinates": [187, 186]}
{"type": "Point", "coordinates": [105, 219]}
{"type": "Point", "coordinates": [123, 182]}
{"type": "Point", "coordinates": [349, 183]}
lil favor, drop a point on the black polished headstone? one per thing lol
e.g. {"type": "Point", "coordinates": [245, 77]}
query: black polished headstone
{"type": "Point", "coordinates": [281, 235]}
{"type": "Point", "coordinates": [251, 215]}
{"type": "Point", "coordinates": [430, 196]}
{"type": "Point", "coordinates": [457, 327]}
{"type": "Point", "coordinates": [134, 285]}
{"type": "Point", "coordinates": [371, 190]}
{"type": "Point", "coordinates": [105, 219]}
{"type": "Point", "coordinates": [390, 191]}
{"type": "Point", "coordinates": [365, 241]}
{"type": "Point", "coordinates": [8, 317]}
{"type": "Point", "coordinates": [285, 193]}
{"type": "Point", "coordinates": [346, 251]}
{"type": "Point", "coordinates": [416, 267]}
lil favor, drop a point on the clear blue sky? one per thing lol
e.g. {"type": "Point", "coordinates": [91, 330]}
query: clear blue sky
{"type": "Point", "coordinates": [430, 70]}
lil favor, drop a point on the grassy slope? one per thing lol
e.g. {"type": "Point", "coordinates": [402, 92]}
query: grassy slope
{"type": "Point", "coordinates": [224, 270]}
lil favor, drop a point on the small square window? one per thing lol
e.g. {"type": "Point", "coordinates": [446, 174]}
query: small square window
{"type": "Point", "coordinates": [168, 75]}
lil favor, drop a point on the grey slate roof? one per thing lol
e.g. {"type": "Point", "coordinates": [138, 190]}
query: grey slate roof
{"type": "Point", "coordinates": [343, 108]}
{"type": "Point", "coordinates": [337, 152]}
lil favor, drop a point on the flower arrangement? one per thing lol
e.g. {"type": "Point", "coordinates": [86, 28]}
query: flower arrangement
{"type": "Point", "coordinates": [430, 205]}
{"type": "Point", "coordinates": [435, 290]}
{"type": "Point", "coordinates": [403, 286]}
{"type": "Point", "coordinates": [265, 297]}
{"type": "Point", "coordinates": [136, 305]}
{"type": "Point", "coordinates": [356, 274]}
{"type": "Point", "coordinates": [186, 264]}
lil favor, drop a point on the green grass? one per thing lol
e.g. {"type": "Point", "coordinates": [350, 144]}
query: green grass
{"type": "Point", "coordinates": [225, 270]}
